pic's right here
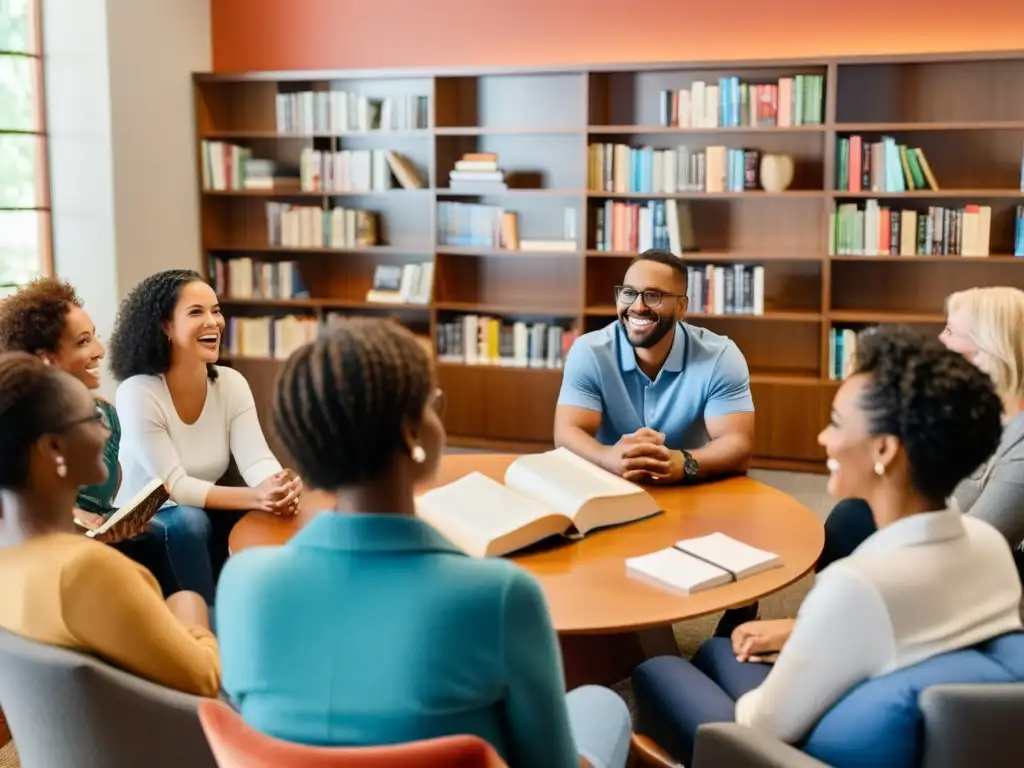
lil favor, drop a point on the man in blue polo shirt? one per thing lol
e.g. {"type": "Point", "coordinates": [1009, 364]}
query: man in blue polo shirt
{"type": "Point", "coordinates": [650, 397]}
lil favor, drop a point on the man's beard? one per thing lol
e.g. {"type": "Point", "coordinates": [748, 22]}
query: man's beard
{"type": "Point", "coordinates": [650, 337]}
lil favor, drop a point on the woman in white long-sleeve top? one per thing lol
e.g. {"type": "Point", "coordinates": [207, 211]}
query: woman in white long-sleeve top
{"type": "Point", "coordinates": [913, 420]}
{"type": "Point", "coordinates": [184, 418]}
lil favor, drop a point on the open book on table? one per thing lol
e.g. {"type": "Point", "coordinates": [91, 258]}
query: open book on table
{"type": "Point", "coordinates": [545, 494]}
{"type": "Point", "coordinates": [692, 565]}
{"type": "Point", "coordinates": [140, 509]}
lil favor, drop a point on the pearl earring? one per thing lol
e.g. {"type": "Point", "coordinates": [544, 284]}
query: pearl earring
{"type": "Point", "coordinates": [879, 468]}
{"type": "Point", "coordinates": [418, 454]}
{"type": "Point", "coordinates": [62, 467]}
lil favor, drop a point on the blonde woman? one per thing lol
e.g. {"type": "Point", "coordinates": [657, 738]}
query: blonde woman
{"type": "Point", "coordinates": [986, 326]}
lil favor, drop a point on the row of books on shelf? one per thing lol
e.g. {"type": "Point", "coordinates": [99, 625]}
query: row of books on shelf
{"type": "Point", "coordinates": [341, 111]}
{"type": "Point", "coordinates": [484, 340]}
{"type": "Point", "coordinates": [842, 346]}
{"type": "Point", "coordinates": [876, 230]}
{"type": "Point", "coordinates": [491, 226]}
{"type": "Point", "coordinates": [277, 337]}
{"type": "Point", "coordinates": [355, 170]}
{"type": "Point", "coordinates": [231, 167]}
{"type": "Point", "coordinates": [244, 278]}
{"type": "Point", "coordinates": [737, 289]}
{"type": "Point", "coordinates": [730, 103]}
{"type": "Point", "coordinates": [637, 227]}
{"type": "Point", "coordinates": [402, 284]}
{"type": "Point", "coordinates": [620, 168]}
{"type": "Point", "coordinates": [311, 226]}
{"type": "Point", "coordinates": [881, 166]}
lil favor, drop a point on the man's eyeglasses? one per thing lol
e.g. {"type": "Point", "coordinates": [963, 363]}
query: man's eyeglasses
{"type": "Point", "coordinates": [626, 296]}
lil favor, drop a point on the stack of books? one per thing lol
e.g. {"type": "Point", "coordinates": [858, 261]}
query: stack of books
{"type": "Point", "coordinates": [477, 173]}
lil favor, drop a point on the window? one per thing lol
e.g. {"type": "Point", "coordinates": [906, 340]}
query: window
{"type": "Point", "coordinates": [24, 181]}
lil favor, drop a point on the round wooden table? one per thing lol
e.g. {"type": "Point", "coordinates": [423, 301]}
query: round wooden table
{"type": "Point", "coordinates": [596, 606]}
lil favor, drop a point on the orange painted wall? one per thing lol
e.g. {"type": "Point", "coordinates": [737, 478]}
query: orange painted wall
{"type": "Point", "coordinates": [313, 34]}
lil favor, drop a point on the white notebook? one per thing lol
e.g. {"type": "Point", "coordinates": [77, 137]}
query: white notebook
{"type": "Point", "coordinates": [692, 565]}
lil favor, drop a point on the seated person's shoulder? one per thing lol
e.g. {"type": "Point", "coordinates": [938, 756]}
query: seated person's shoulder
{"type": "Point", "coordinates": [603, 339]}
{"type": "Point", "coordinates": [137, 388]}
{"type": "Point", "coordinates": [88, 562]}
{"type": "Point", "coordinates": [708, 344]}
{"type": "Point", "coordinates": [229, 377]}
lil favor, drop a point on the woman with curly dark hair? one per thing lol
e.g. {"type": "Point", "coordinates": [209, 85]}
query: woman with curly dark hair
{"type": "Point", "coordinates": [46, 318]}
{"type": "Point", "coordinates": [912, 421]}
{"type": "Point", "coordinates": [184, 418]}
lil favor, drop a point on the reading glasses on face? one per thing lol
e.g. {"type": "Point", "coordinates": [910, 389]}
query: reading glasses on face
{"type": "Point", "coordinates": [626, 295]}
{"type": "Point", "coordinates": [98, 415]}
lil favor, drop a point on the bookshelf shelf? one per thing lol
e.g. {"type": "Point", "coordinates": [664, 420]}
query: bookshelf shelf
{"type": "Point", "coordinates": [751, 195]}
{"type": "Point", "coordinates": [1002, 258]}
{"type": "Point", "coordinates": [540, 123]}
{"type": "Point", "coordinates": [512, 193]}
{"type": "Point", "coordinates": [703, 257]}
{"type": "Point", "coordinates": [599, 130]}
{"type": "Point", "coordinates": [959, 125]}
{"type": "Point", "coordinates": [934, 194]}
{"type": "Point", "coordinates": [458, 250]}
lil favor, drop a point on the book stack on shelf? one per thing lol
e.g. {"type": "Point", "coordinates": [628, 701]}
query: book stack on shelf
{"type": "Point", "coordinates": [737, 289]}
{"type": "Point", "coordinates": [878, 230]}
{"type": "Point", "coordinates": [309, 226]}
{"type": "Point", "coordinates": [477, 173]}
{"type": "Point", "coordinates": [355, 170]}
{"type": "Point", "coordinates": [409, 284]}
{"type": "Point", "coordinates": [1018, 237]}
{"type": "Point", "coordinates": [244, 278]}
{"type": "Point", "coordinates": [881, 166]}
{"type": "Point", "coordinates": [338, 112]}
{"type": "Point", "coordinates": [731, 103]}
{"type": "Point", "coordinates": [622, 169]}
{"type": "Point", "coordinates": [483, 340]}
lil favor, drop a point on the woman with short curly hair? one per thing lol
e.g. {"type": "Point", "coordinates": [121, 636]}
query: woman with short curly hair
{"type": "Point", "coordinates": [46, 318]}
{"type": "Point", "coordinates": [911, 422]}
{"type": "Point", "coordinates": [184, 418]}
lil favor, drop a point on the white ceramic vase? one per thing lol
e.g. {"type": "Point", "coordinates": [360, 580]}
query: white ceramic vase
{"type": "Point", "coordinates": [776, 172]}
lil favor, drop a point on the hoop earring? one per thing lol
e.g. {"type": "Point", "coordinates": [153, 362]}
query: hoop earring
{"type": "Point", "coordinates": [418, 454]}
{"type": "Point", "coordinates": [879, 468]}
{"type": "Point", "coordinates": [62, 467]}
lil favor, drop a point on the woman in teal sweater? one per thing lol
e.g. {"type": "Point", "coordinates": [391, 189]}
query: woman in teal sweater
{"type": "Point", "coordinates": [370, 628]}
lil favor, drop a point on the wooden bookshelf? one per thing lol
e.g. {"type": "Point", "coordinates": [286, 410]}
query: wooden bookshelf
{"type": "Point", "coordinates": [963, 111]}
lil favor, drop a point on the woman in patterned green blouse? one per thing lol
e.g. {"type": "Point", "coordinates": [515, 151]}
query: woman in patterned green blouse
{"type": "Point", "coordinates": [46, 318]}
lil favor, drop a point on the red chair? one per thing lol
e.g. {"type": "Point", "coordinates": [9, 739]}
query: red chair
{"type": "Point", "coordinates": [236, 745]}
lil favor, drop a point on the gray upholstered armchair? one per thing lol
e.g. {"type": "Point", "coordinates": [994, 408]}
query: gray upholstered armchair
{"type": "Point", "coordinates": [965, 725]}
{"type": "Point", "coordinates": [69, 710]}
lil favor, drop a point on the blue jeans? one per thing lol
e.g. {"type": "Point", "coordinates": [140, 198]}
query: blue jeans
{"type": "Point", "coordinates": [674, 696]}
{"type": "Point", "coordinates": [186, 535]}
{"type": "Point", "coordinates": [600, 725]}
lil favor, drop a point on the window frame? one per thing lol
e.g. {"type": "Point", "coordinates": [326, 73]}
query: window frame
{"type": "Point", "coordinates": [42, 204]}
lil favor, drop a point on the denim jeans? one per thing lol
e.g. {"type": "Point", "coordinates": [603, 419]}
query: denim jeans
{"type": "Point", "coordinates": [186, 535]}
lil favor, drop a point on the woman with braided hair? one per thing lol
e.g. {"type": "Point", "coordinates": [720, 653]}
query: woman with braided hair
{"type": "Point", "coordinates": [368, 627]}
{"type": "Point", "coordinates": [184, 419]}
{"type": "Point", "coordinates": [83, 595]}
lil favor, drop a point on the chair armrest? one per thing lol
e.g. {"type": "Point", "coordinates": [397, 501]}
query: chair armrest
{"type": "Point", "coordinates": [721, 744]}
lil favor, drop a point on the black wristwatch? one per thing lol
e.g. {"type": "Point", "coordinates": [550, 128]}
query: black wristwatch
{"type": "Point", "coordinates": [690, 467]}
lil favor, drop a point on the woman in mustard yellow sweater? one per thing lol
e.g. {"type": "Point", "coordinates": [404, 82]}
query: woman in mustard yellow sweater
{"type": "Point", "coordinates": [84, 595]}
